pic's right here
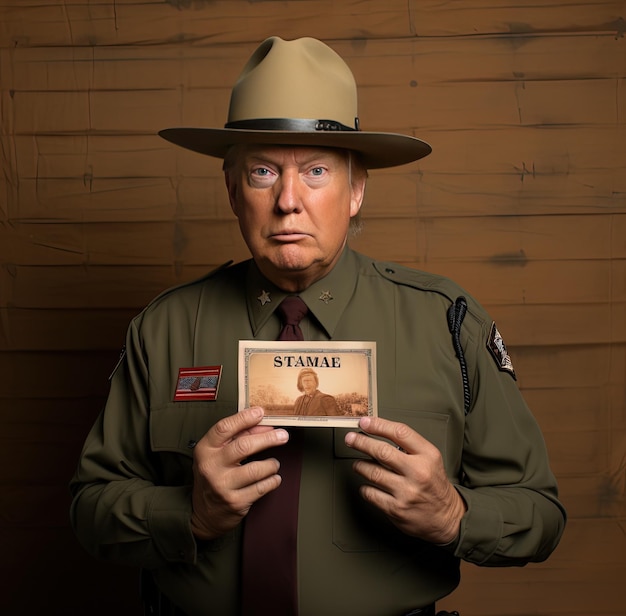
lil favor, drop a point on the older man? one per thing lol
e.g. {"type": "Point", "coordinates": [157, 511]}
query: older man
{"type": "Point", "coordinates": [369, 522]}
{"type": "Point", "coordinates": [313, 401]}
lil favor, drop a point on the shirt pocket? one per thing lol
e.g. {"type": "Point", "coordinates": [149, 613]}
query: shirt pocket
{"type": "Point", "coordinates": [175, 430]}
{"type": "Point", "coordinates": [358, 526]}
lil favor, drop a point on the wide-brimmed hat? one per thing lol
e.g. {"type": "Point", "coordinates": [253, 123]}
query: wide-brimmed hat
{"type": "Point", "coordinates": [298, 92]}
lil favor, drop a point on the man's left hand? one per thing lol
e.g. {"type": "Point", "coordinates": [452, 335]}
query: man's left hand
{"type": "Point", "coordinates": [407, 482]}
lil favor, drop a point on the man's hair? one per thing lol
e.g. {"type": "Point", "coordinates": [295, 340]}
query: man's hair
{"type": "Point", "coordinates": [356, 171]}
{"type": "Point", "coordinates": [307, 372]}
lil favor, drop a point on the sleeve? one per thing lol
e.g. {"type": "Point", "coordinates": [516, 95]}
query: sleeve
{"type": "Point", "coordinates": [119, 511]}
{"type": "Point", "coordinates": [513, 513]}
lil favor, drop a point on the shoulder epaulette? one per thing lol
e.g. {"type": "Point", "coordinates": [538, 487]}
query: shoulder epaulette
{"type": "Point", "coordinates": [164, 294]}
{"type": "Point", "coordinates": [189, 283]}
{"type": "Point", "coordinates": [419, 279]}
{"type": "Point", "coordinates": [455, 315]}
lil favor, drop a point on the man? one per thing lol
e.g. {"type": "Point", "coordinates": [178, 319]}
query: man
{"type": "Point", "coordinates": [313, 401]}
{"type": "Point", "coordinates": [454, 468]}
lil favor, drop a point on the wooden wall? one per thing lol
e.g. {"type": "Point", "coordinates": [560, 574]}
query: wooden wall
{"type": "Point", "coordinates": [522, 202]}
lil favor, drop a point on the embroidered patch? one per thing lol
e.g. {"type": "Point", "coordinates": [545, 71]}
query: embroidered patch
{"type": "Point", "coordinates": [198, 383]}
{"type": "Point", "coordinates": [497, 348]}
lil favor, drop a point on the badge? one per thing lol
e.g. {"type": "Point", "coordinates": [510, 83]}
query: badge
{"type": "Point", "coordinates": [326, 297]}
{"type": "Point", "coordinates": [497, 348]}
{"type": "Point", "coordinates": [198, 383]}
{"type": "Point", "coordinates": [264, 298]}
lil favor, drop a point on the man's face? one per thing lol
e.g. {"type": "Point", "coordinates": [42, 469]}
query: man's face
{"type": "Point", "coordinates": [308, 384]}
{"type": "Point", "coordinates": [294, 206]}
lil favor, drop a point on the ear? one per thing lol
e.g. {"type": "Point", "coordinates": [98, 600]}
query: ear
{"type": "Point", "coordinates": [357, 194]}
{"type": "Point", "coordinates": [231, 188]}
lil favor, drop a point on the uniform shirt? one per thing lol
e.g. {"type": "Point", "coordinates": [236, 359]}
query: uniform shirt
{"type": "Point", "coordinates": [132, 488]}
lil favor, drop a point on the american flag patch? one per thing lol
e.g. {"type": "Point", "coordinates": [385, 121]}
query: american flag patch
{"type": "Point", "coordinates": [198, 383]}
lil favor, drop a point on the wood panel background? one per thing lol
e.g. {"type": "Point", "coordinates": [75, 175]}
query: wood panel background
{"type": "Point", "coordinates": [522, 202]}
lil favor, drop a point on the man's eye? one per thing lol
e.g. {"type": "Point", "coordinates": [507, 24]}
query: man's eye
{"type": "Point", "coordinates": [261, 171]}
{"type": "Point", "coordinates": [317, 171]}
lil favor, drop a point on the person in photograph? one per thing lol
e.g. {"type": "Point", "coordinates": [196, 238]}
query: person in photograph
{"type": "Point", "coordinates": [313, 401]}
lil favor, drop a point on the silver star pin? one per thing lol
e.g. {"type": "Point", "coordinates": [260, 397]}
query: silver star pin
{"type": "Point", "coordinates": [326, 297]}
{"type": "Point", "coordinates": [264, 298]}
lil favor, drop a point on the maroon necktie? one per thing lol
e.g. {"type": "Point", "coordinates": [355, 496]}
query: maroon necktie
{"type": "Point", "coordinates": [269, 558]}
{"type": "Point", "coordinates": [292, 309]}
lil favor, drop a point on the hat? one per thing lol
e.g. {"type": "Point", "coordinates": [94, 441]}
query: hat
{"type": "Point", "coordinates": [298, 92]}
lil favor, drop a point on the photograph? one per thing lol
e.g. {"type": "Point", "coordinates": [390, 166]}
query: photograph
{"type": "Point", "coordinates": [329, 384]}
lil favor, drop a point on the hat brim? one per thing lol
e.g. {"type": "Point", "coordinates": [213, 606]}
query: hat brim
{"type": "Point", "coordinates": [377, 150]}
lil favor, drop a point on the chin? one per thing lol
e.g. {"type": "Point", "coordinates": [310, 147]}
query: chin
{"type": "Point", "coordinates": [292, 259]}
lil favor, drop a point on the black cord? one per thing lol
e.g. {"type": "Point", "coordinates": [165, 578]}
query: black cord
{"type": "Point", "coordinates": [456, 314]}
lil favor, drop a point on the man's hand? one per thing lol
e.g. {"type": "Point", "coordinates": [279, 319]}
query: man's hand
{"type": "Point", "coordinates": [408, 483]}
{"type": "Point", "coordinates": [224, 489]}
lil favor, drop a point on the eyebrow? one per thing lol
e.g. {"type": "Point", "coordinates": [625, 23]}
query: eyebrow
{"type": "Point", "coordinates": [268, 158]}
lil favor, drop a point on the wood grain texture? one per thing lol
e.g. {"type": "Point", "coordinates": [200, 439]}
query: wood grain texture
{"type": "Point", "coordinates": [523, 203]}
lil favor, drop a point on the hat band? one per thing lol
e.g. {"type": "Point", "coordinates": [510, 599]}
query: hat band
{"type": "Point", "coordinates": [290, 124]}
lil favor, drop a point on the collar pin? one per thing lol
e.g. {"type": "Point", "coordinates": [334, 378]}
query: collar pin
{"type": "Point", "coordinates": [264, 298]}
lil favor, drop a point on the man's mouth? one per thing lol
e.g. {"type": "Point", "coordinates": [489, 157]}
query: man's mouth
{"type": "Point", "coordinates": [288, 236]}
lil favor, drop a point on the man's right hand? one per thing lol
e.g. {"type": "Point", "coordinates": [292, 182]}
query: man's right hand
{"type": "Point", "coordinates": [224, 489]}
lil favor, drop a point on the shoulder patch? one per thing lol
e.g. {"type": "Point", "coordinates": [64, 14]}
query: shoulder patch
{"type": "Point", "coordinates": [498, 351]}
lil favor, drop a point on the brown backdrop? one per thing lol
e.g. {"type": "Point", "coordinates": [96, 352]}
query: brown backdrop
{"type": "Point", "coordinates": [522, 202]}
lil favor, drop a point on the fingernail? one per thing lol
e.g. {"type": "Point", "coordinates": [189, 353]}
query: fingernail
{"type": "Point", "coordinates": [282, 435]}
{"type": "Point", "coordinates": [350, 439]}
{"type": "Point", "coordinates": [365, 422]}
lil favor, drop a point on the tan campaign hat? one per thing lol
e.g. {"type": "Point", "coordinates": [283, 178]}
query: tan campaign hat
{"type": "Point", "coordinates": [298, 92]}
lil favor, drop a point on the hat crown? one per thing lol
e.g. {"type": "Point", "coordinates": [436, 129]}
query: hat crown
{"type": "Point", "coordinates": [298, 93]}
{"type": "Point", "coordinates": [300, 79]}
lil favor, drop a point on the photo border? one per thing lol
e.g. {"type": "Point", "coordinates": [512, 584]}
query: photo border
{"type": "Point", "coordinates": [250, 348]}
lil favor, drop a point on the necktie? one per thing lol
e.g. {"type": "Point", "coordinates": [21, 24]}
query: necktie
{"type": "Point", "coordinates": [269, 557]}
{"type": "Point", "coordinates": [292, 309]}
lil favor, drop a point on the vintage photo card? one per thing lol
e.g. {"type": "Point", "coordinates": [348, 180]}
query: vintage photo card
{"type": "Point", "coordinates": [321, 384]}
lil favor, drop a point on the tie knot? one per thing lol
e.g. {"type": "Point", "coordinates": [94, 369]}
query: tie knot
{"type": "Point", "coordinates": [292, 309]}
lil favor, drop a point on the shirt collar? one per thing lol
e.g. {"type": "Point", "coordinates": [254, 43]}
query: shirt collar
{"type": "Point", "coordinates": [326, 299]}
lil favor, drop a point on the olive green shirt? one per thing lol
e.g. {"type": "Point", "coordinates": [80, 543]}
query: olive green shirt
{"type": "Point", "coordinates": [132, 488]}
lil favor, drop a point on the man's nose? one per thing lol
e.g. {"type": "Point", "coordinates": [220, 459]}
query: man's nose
{"type": "Point", "coordinates": [288, 199]}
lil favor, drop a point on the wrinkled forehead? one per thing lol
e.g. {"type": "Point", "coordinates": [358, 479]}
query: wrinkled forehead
{"type": "Point", "coordinates": [295, 153]}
